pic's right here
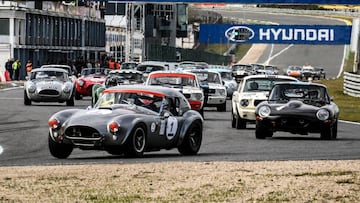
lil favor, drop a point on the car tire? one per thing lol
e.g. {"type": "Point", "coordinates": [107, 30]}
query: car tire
{"type": "Point", "coordinates": [59, 150]}
{"type": "Point", "coordinates": [201, 111]}
{"type": "Point", "coordinates": [70, 102]}
{"type": "Point", "coordinates": [239, 122]}
{"type": "Point", "coordinates": [192, 140]}
{"type": "Point", "coordinates": [221, 107]}
{"type": "Point", "coordinates": [77, 95]}
{"type": "Point", "coordinates": [136, 143]}
{"type": "Point", "coordinates": [261, 132]}
{"type": "Point", "coordinates": [233, 120]}
{"type": "Point", "coordinates": [329, 132]}
{"type": "Point", "coordinates": [27, 100]}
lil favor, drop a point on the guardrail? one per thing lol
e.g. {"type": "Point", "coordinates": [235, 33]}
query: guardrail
{"type": "Point", "coordinates": [352, 84]}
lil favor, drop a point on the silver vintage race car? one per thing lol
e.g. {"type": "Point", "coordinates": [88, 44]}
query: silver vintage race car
{"type": "Point", "coordinates": [129, 120]}
{"type": "Point", "coordinates": [49, 85]}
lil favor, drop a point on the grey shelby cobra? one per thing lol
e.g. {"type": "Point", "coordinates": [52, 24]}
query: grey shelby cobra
{"type": "Point", "coordinates": [299, 108]}
{"type": "Point", "coordinates": [49, 85]}
{"type": "Point", "coordinates": [129, 120]}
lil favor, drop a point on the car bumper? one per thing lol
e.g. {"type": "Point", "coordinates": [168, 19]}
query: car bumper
{"type": "Point", "coordinates": [215, 100]}
{"type": "Point", "coordinates": [62, 97]}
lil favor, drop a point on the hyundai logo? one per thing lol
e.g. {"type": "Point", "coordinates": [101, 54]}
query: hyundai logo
{"type": "Point", "coordinates": [239, 34]}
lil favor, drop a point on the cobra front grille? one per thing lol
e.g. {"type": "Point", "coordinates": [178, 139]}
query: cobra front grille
{"type": "Point", "coordinates": [49, 92]}
{"type": "Point", "coordinates": [256, 102]}
{"type": "Point", "coordinates": [83, 136]}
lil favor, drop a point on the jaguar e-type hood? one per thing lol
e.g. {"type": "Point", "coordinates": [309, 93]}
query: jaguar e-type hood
{"type": "Point", "coordinates": [294, 107]}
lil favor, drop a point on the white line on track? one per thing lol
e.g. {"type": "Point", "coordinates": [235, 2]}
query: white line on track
{"type": "Point", "coordinates": [1, 150]}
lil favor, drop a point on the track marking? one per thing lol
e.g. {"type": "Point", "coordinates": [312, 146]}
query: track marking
{"type": "Point", "coordinates": [1, 150]}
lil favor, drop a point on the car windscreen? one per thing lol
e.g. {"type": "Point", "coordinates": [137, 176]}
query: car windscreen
{"type": "Point", "coordinates": [95, 71]}
{"type": "Point", "coordinates": [287, 92]}
{"type": "Point", "coordinates": [262, 84]}
{"type": "Point", "coordinates": [49, 75]}
{"type": "Point", "coordinates": [208, 77]}
{"type": "Point", "coordinates": [149, 68]}
{"type": "Point", "coordinates": [148, 101]}
{"type": "Point", "coordinates": [173, 81]}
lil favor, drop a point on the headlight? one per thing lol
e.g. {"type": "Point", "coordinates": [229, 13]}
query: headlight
{"type": "Point", "coordinates": [322, 114]}
{"type": "Point", "coordinates": [66, 88]}
{"type": "Point", "coordinates": [196, 96]}
{"type": "Point", "coordinates": [81, 83]}
{"type": "Point", "coordinates": [221, 91]}
{"type": "Point", "coordinates": [32, 88]}
{"type": "Point", "coordinates": [53, 123]}
{"type": "Point", "coordinates": [264, 111]}
{"type": "Point", "coordinates": [244, 102]}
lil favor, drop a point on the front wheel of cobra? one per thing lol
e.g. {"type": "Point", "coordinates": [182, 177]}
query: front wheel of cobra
{"type": "Point", "coordinates": [59, 150]}
{"type": "Point", "coordinates": [27, 100]}
{"type": "Point", "coordinates": [192, 140]}
{"type": "Point", "coordinates": [136, 143]}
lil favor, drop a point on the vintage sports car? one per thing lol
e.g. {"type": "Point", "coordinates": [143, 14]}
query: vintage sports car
{"type": "Point", "coordinates": [294, 71]}
{"type": "Point", "coordinates": [230, 82]}
{"type": "Point", "coordinates": [129, 120]}
{"type": "Point", "coordinates": [241, 70]}
{"type": "Point", "coordinates": [114, 78]}
{"type": "Point", "coordinates": [298, 108]}
{"type": "Point", "coordinates": [252, 90]}
{"type": "Point", "coordinates": [213, 87]}
{"type": "Point", "coordinates": [185, 82]}
{"type": "Point", "coordinates": [88, 78]}
{"type": "Point", "coordinates": [71, 71]}
{"type": "Point", "coordinates": [49, 85]}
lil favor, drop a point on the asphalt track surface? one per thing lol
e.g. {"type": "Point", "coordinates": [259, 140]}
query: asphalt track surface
{"type": "Point", "coordinates": [24, 131]}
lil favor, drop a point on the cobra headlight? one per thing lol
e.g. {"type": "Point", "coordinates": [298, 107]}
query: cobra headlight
{"type": "Point", "coordinates": [81, 83]}
{"type": "Point", "coordinates": [244, 102]}
{"type": "Point", "coordinates": [322, 114]}
{"type": "Point", "coordinates": [264, 111]}
{"type": "Point", "coordinates": [66, 88]}
{"type": "Point", "coordinates": [32, 88]}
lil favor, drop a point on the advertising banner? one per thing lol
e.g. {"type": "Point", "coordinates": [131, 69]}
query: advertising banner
{"type": "Point", "coordinates": [347, 2]}
{"type": "Point", "coordinates": [275, 34]}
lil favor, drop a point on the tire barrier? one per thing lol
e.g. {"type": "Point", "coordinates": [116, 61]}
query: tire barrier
{"type": "Point", "coordinates": [352, 84]}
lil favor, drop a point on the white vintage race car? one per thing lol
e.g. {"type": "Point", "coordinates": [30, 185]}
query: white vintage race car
{"type": "Point", "coordinates": [252, 90]}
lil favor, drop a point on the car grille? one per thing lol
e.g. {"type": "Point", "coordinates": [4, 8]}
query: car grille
{"type": "Point", "coordinates": [187, 96]}
{"type": "Point", "coordinates": [49, 92]}
{"type": "Point", "coordinates": [83, 136]}
{"type": "Point", "coordinates": [211, 91]}
{"type": "Point", "coordinates": [256, 102]}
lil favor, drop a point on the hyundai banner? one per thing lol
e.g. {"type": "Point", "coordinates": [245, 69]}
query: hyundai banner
{"type": "Point", "coordinates": [275, 34]}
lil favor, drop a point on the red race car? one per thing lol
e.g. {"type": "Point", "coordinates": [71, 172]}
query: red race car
{"type": "Point", "coordinates": [88, 78]}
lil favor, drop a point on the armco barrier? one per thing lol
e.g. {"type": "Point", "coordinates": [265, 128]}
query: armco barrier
{"type": "Point", "coordinates": [352, 84]}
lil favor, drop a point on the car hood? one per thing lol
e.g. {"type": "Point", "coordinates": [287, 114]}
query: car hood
{"type": "Point", "coordinates": [97, 117]}
{"type": "Point", "coordinates": [96, 79]}
{"type": "Point", "coordinates": [51, 84]}
{"type": "Point", "coordinates": [255, 95]}
{"type": "Point", "coordinates": [296, 108]}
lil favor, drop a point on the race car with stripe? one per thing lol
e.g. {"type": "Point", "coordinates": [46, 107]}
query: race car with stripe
{"type": "Point", "coordinates": [128, 120]}
{"type": "Point", "coordinates": [185, 82]}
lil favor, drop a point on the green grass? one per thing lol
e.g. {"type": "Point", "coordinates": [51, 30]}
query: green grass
{"type": "Point", "coordinates": [349, 106]}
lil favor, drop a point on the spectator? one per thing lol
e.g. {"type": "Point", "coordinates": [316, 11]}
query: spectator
{"type": "Point", "coordinates": [8, 67]}
{"type": "Point", "coordinates": [16, 68]}
{"type": "Point", "coordinates": [112, 64]}
{"type": "Point", "coordinates": [29, 67]}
